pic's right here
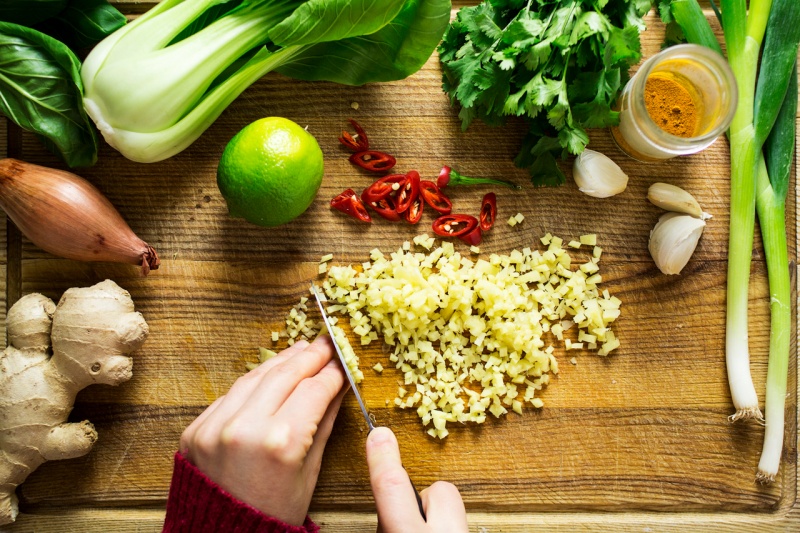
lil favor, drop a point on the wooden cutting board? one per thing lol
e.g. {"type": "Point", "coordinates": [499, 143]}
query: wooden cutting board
{"type": "Point", "coordinates": [637, 441]}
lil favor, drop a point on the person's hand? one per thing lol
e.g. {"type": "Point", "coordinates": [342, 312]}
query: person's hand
{"type": "Point", "coordinates": [263, 441]}
{"type": "Point", "coordinates": [398, 511]}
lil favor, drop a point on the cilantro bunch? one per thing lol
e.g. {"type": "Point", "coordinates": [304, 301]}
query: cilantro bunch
{"type": "Point", "coordinates": [558, 63]}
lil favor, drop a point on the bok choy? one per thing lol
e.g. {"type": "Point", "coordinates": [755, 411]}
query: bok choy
{"type": "Point", "coordinates": [154, 86]}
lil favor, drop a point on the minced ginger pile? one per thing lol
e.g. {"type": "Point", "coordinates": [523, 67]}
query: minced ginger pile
{"type": "Point", "coordinates": [468, 335]}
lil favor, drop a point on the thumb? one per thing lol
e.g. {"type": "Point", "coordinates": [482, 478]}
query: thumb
{"type": "Point", "coordinates": [391, 486]}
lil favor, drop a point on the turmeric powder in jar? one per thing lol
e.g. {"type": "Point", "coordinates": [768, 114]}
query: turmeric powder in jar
{"type": "Point", "coordinates": [671, 104]}
{"type": "Point", "coordinates": [678, 103]}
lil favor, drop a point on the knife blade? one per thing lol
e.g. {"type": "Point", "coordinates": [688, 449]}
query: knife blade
{"type": "Point", "coordinates": [347, 371]}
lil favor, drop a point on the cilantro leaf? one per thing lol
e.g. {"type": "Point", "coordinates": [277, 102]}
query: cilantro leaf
{"type": "Point", "coordinates": [665, 11]}
{"type": "Point", "coordinates": [623, 47]}
{"type": "Point", "coordinates": [559, 64]}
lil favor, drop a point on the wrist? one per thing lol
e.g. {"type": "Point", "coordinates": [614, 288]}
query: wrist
{"type": "Point", "coordinates": [198, 504]}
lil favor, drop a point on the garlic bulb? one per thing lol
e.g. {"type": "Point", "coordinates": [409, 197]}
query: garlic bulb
{"type": "Point", "coordinates": [673, 241]}
{"type": "Point", "coordinates": [674, 198]}
{"type": "Point", "coordinates": [597, 175]}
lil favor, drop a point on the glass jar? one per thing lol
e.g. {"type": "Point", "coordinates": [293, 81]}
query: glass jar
{"type": "Point", "coordinates": [705, 76]}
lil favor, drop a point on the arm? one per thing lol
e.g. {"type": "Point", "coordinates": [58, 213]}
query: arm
{"type": "Point", "coordinates": [262, 443]}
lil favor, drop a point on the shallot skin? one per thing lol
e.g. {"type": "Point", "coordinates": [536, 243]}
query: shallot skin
{"type": "Point", "coordinates": [67, 216]}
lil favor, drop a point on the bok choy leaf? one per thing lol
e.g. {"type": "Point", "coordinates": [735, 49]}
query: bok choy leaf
{"type": "Point", "coordinates": [41, 91]}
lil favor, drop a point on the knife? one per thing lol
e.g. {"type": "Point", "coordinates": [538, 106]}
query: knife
{"type": "Point", "coordinates": [368, 417]}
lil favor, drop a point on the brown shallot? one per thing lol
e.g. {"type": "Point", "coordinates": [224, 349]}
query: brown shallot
{"type": "Point", "coordinates": [67, 216]}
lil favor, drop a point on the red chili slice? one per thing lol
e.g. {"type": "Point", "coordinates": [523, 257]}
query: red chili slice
{"type": "Point", "coordinates": [373, 160]}
{"type": "Point", "coordinates": [408, 192]}
{"type": "Point", "coordinates": [349, 203]}
{"type": "Point", "coordinates": [473, 238]}
{"type": "Point", "coordinates": [454, 225]}
{"type": "Point", "coordinates": [414, 213]}
{"type": "Point", "coordinates": [359, 143]}
{"type": "Point", "coordinates": [434, 197]}
{"type": "Point", "coordinates": [488, 211]}
{"type": "Point", "coordinates": [385, 207]}
{"type": "Point", "coordinates": [383, 187]}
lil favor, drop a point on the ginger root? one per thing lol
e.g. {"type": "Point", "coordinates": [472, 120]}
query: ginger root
{"type": "Point", "coordinates": [91, 332]}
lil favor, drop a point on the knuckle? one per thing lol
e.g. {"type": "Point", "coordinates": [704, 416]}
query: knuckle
{"type": "Point", "coordinates": [285, 371]}
{"type": "Point", "coordinates": [244, 379]}
{"type": "Point", "coordinates": [319, 387]}
{"type": "Point", "coordinates": [234, 435]}
{"type": "Point", "coordinates": [444, 489]}
{"type": "Point", "coordinates": [204, 443]}
{"type": "Point", "coordinates": [392, 479]}
{"type": "Point", "coordinates": [277, 444]}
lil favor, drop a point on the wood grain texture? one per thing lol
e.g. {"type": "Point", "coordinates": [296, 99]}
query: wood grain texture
{"type": "Point", "coordinates": [642, 430]}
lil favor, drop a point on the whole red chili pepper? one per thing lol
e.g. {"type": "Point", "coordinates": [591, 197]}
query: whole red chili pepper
{"type": "Point", "coordinates": [454, 225]}
{"type": "Point", "coordinates": [385, 207]}
{"type": "Point", "coordinates": [348, 202]}
{"type": "Point", "coordinates": [359, 143]}
{"type": "Point", "coordinates": [488, 211]}
{"type": "Point", "coordinates": [434, 197]}
{"type": "Point", "coordinates": [373, 160]}
{"type": "Point", "coordinates": [408, 191]}
{"type": "Point", "coordinates": [383, 187]}
{"type": "Point", "coordinates": [414, 213]}
{"type": "Point", "coordinates": [448, 176]}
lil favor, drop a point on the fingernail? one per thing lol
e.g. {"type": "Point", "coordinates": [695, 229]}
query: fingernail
{"type": "Point", "coordinates": [380, 436]}
{"type": "Point", "coordinates": [301, 344]}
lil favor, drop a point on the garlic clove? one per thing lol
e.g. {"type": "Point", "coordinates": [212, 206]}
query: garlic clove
{"type": "Point", "coordinates": [597, 175]}
{"type": "Point", "coordinates": [673, 198]}
{"type": "Point", "coordinates": [673, 241]}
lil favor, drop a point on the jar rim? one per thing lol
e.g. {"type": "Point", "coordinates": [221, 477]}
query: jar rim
{"type": "Point", "coordinates": [719, 67]}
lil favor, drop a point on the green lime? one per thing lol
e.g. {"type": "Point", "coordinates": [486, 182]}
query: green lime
{"type": "Point", "coordinates": [270, 172]}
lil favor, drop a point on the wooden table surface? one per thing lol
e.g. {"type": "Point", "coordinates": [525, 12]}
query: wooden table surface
{"type": "Point", "coordinates": [637, 441]}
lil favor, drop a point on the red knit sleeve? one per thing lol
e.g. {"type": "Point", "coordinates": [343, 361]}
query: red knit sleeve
{"type": "Point", "coordinates": [198, 505]}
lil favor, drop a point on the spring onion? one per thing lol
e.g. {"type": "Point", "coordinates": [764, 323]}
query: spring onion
{"type": "Point", "coordinates": [774, 127]}
{"type": "Point", "coordinates": [751, 125]}
{"type": "Point", "coordinates": [772, 184]}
